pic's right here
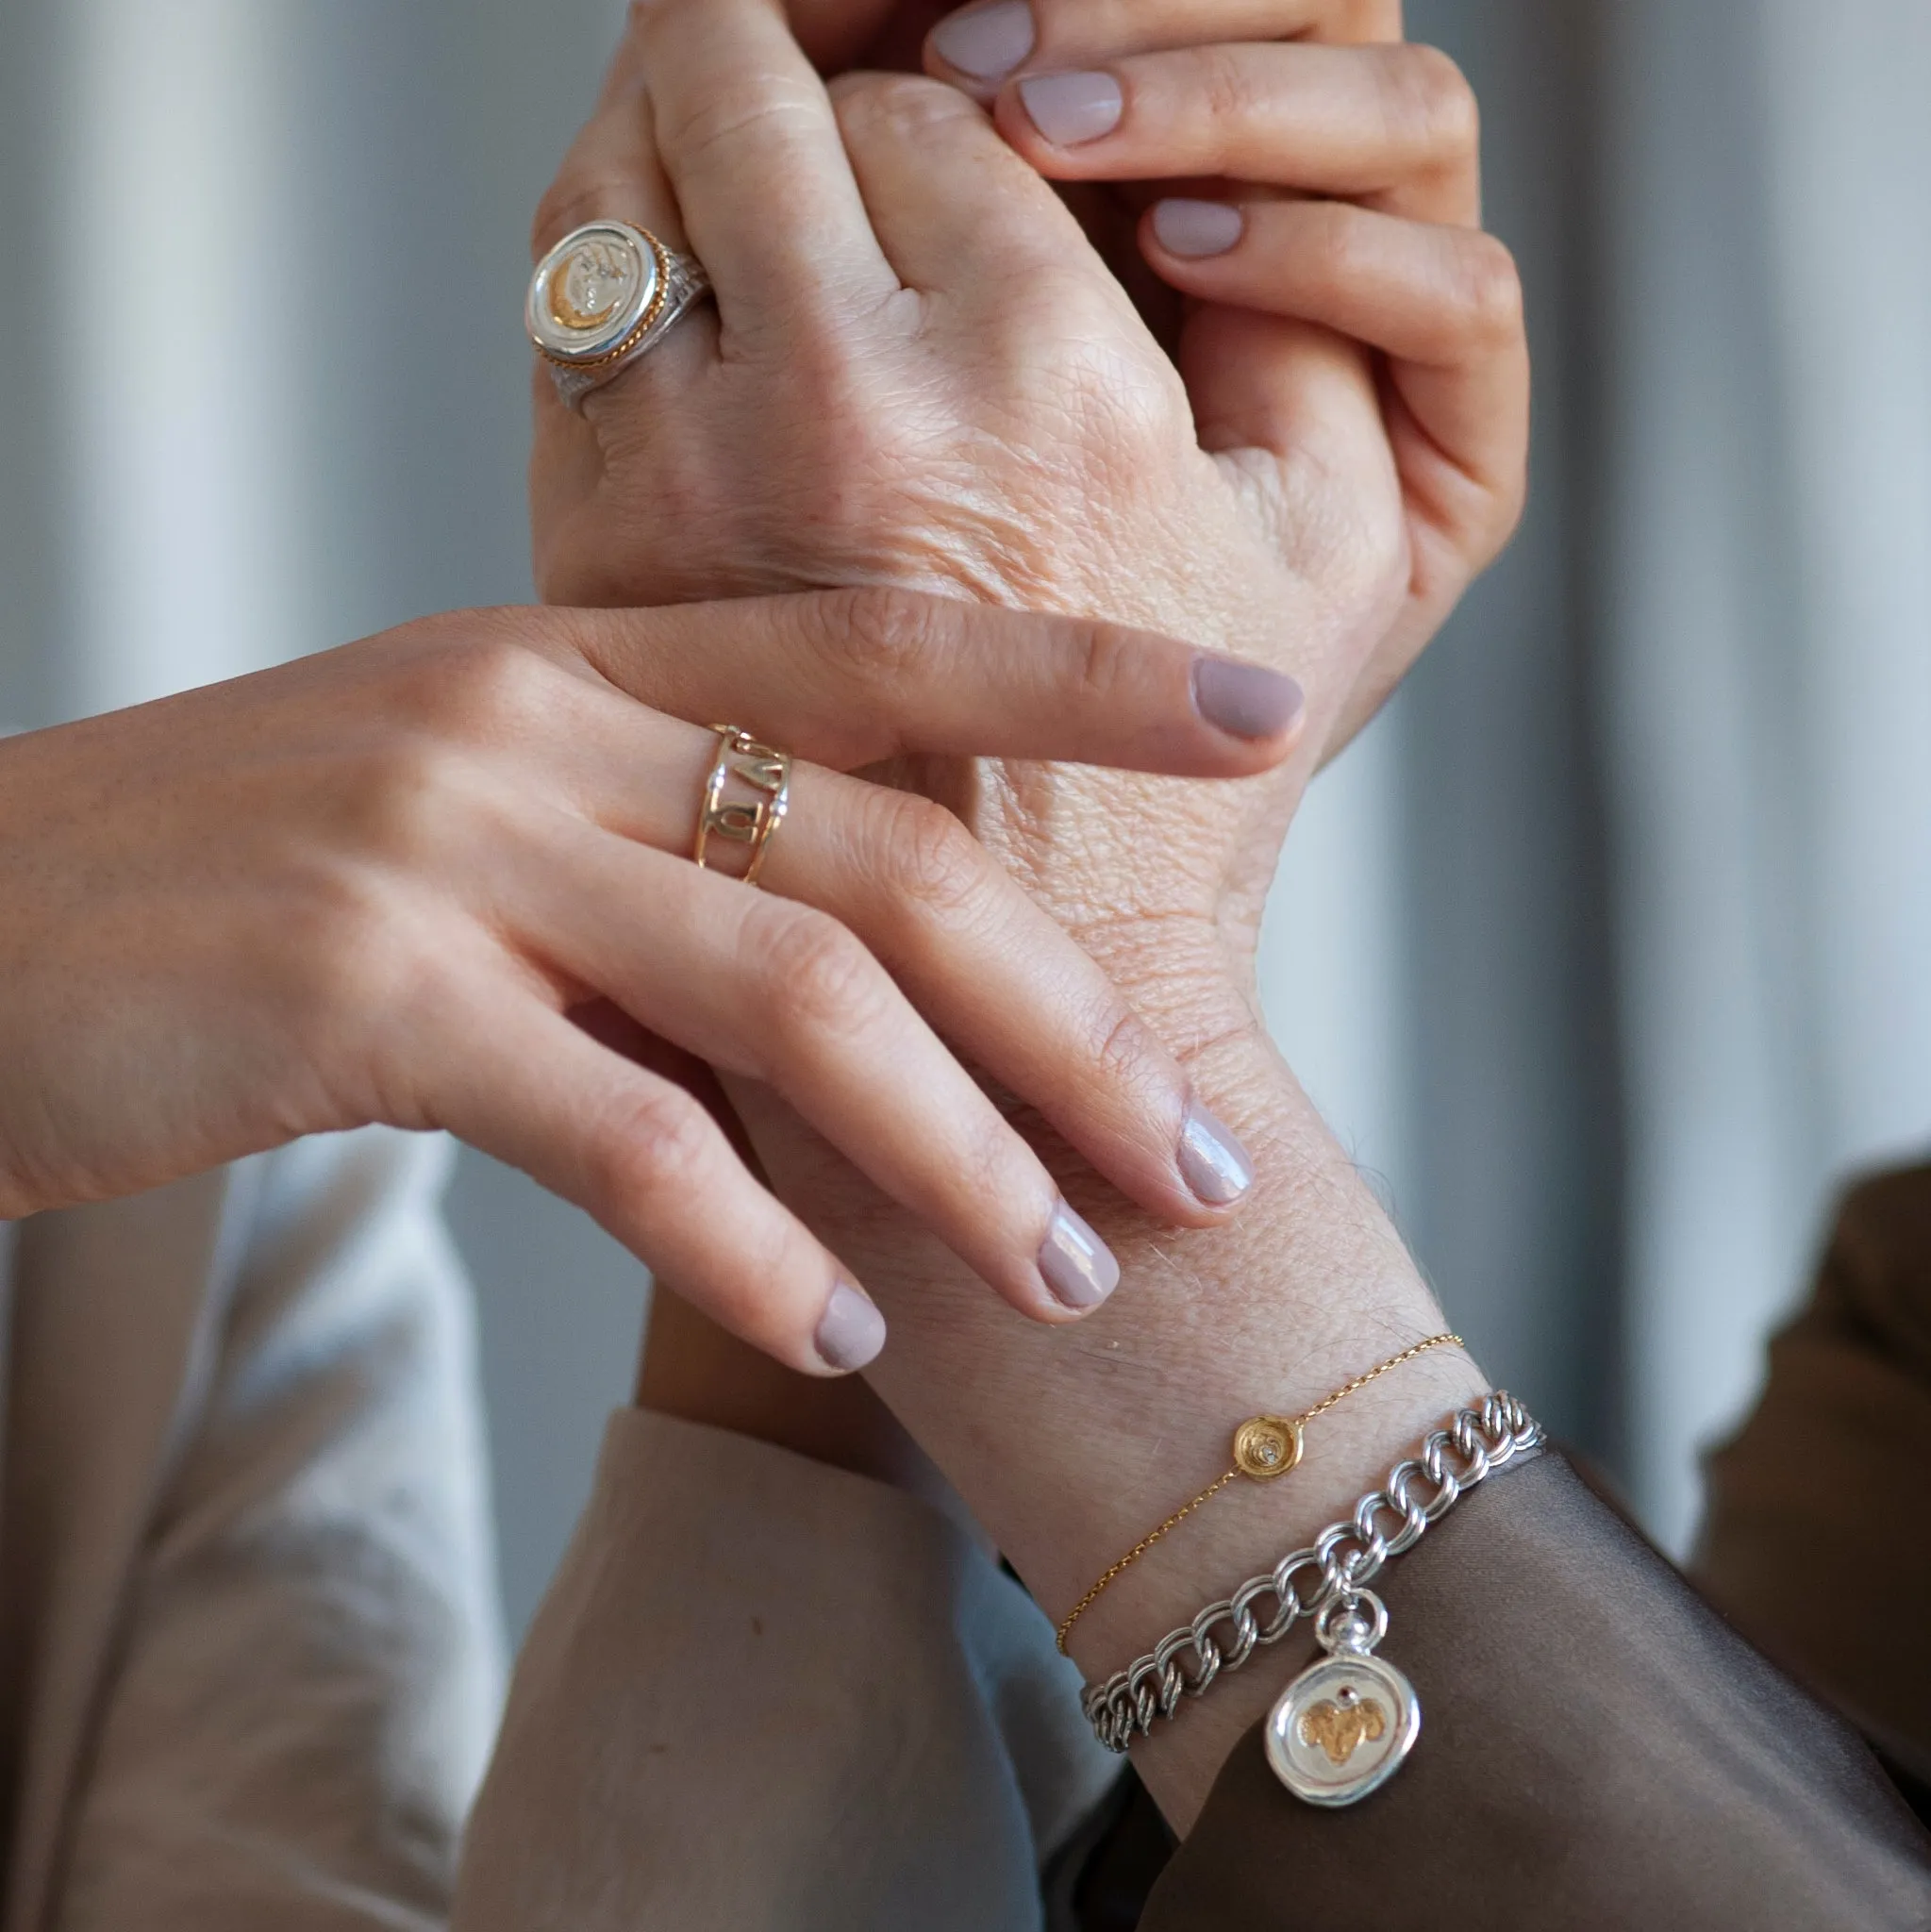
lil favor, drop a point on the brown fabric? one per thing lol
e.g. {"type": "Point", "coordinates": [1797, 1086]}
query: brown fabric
{"type": "Point", "coordinates": [1816, 1543]}
{"type": "Point", "coordinates": [1598, 1751]}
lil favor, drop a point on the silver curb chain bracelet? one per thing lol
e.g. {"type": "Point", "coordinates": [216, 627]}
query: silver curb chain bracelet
{"type": "Point", "coordinates": [1344, 1725]}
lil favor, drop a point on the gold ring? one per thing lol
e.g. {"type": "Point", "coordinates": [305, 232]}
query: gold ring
{"type": "Point", "coordinates": [751, 821]}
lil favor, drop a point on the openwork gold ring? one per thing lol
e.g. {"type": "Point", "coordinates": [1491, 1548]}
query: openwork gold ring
{"type": "Point", "coordinates": [758, 770]}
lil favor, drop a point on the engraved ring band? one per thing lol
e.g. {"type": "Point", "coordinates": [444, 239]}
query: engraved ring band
{"type": "Point", "coordinates": [605, 296]}
{"type": "Point", "coordinates": [746, 799]}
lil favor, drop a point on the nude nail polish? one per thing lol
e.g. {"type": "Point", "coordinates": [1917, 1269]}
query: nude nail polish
{"type": "Point", "coordinates": [1077, 1266]}
{"type": "Point", "coordinates": [1245, 700]}
{"type": "Point", "coordinates": [1215, 1166]}
{"type": "Point", "coordinates": [850, 1331]}
{"type": "Point", "coordinates": [1197, 228]}
{"type": "Point", "coordinates": [1071, 109]}
{"type": "Point", "coordinates": [986, 43]}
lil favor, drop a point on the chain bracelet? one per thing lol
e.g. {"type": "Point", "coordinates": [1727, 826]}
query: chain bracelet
{"type": "Point", "coordinates": [1344, 1558]}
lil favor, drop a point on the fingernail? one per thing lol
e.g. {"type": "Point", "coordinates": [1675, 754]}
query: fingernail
{"type": "Point", "coordinates": [1078, 1266]}
{"type": "Point", "coordinates": [987, 42]}
{"type": "Point", "coordinates": [1070, 108]}
{"type": "Point", "coordinates": [1212, 1161]}
{"type": "Point", "coordinates": [1197, 227]}
{"type": "Point", "coordinates": [1245, 700]}
{"type": "Point", "coordinates": [850, 1331]}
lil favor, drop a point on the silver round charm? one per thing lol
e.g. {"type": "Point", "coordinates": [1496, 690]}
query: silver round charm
{"type": "Point", "coordinates": [1343, 1727]}
{"type": "Point", "coordinates": [604, 295]}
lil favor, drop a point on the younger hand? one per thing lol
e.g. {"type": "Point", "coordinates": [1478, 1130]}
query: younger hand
{"type": "Point", "coordinates": [442, 878]}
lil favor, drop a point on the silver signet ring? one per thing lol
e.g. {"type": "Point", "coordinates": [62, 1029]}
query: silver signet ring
{"type": "Point", "coordinates": [601, 297]}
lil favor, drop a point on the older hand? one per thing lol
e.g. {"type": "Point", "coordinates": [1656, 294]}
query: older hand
{"type": "Point", "coordinates": [920, 371]}
{"type": "Point", "coordinates": [379, 884]}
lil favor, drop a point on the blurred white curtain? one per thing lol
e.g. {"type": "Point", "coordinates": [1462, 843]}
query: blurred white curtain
{"type": "Point", "coordinates": [1768, 660]}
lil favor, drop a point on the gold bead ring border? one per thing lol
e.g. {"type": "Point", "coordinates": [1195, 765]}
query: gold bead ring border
{"type": "Point", "coordinates": [747, 822]}
{"type": "Point", "coordinates": [1265, 1447]}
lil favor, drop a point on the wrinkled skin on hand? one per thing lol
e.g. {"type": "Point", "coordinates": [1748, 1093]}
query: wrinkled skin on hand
{"type": "Point", "coordinates": [1004, 426]}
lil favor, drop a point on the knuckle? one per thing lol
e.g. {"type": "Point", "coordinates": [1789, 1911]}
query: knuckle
{"type": "Point", "coordinates": [568, 203]}
{"type": "Point", "coordinates": [1335, 252]}
{"type": "Point", "coordinates": [897, 106]}
{"type": "Point", "coordinates": [1491, 292]}
{"type": "Point", "coordinates": [934, 864]}
{"type": "Point", "coordinates": [881, 637]}
{"type": "Point", "coordinates": [401, 795]}
{"type": "Point", "coordinates": [1126, 1049]}
{"type": "Point", "coordinates": [1429, 98]}
{"type": "Point", "coordinates": [994, 1163]}
{"type": "Point", "coordinates": [1227, 85]}
{"type": "Point", "coordinates": [1106, 656]}
{"type": "Point", "coordinates": [479, 682]}
{"type": "Point", "coordinates": [817, 977]}
{"type": "Point", "coordinates": [660, 1143]}
{"type": "Point", "coordinates": [747, 109]}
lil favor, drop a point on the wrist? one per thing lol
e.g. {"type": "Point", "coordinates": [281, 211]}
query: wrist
{"type": "Point", "coordinates": [1075, 1444]}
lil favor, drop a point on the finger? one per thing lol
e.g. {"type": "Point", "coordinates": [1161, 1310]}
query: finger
{"type": "Point", "coordinates": [645, 1158]}
{"type": "Point", "coordinates": [1008, 989]}
{"type": "Point", "coordinates": [613, 172]}
{"type": "Point", "coordinates": [613, 169]}
{"type": "Point", "coordinates": [1443, 304]}
{"type": "Point", "coordinates": [959, 213]}
{"type": "Point", "coordinates": [849, 678]}
{"type": "Point", "coordinates": [1396, 127]}
{"type": "Point", "coordinates": [777, 992]}
{"type": "Point", "coordinates": [751, 146]}
{"type": "Point", "coordinates": [1001, 980]}
{"type": "Point", "coordinates": [980, 47]}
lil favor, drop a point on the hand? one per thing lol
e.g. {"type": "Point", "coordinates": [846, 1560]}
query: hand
{"type": "Point", "coordinates": [379, 884]}
{"type": "Point", "coordinates": [1343, 171]}
{"type": "Point", "coordinates": [1068, 1453]}
{"type": "Point", "coordinates": [1344, 167]}
{"type": "Point", "coordinates": [958, 462]}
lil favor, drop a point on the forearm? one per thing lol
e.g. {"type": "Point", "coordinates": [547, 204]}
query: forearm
{"type": "Point", "coordinates": [1067, 1447]}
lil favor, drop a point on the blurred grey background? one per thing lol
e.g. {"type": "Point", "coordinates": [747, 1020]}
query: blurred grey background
{"type": "Point", "coordinates": [1608, 950]}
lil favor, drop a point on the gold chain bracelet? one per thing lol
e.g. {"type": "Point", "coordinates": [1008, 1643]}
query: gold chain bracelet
{"type": "Point", "coordinates": [1265, 1446]}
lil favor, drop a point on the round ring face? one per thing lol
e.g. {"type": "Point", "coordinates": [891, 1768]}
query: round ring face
{"type": "Point", "coordinates": [590, 291]}
{"type": "Point", "coordinates": [1342, 1728]}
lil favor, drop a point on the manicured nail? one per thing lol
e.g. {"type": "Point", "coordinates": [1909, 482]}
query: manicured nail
{"type": "Point", "coordinates": [850, 1331]}
{"type": "Point", "coordinates": [1078, 1266]}
{"type": "Point", "coordinates": [986, 43]}
{"type": "Point", "coordinates": [1212, 1162]}
{"type": "Point", "coordinates": [1245, 700]}
{"type": "Point", "coordinates": [1197, 227]}
{"type": "Point", "coordinates": [1070, 108]}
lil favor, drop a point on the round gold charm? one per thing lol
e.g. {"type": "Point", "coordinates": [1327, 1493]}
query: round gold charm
{"type": "Point", "coordinates": [1266, 1446]}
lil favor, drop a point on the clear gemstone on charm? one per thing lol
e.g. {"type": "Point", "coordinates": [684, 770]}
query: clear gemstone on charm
{"type": "Point", "coordinates": [1267, 1454]}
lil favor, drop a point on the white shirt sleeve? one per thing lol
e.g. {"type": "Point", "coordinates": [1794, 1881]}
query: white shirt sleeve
{"type": "Point", "coordinates": [764, 1695]}
{"type": "Point", "coordinates": [310, 1674]}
